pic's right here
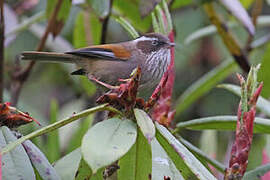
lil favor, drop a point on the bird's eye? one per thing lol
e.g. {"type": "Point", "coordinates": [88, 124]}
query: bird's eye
{"type": "Point", "coordinates": [155, 42]}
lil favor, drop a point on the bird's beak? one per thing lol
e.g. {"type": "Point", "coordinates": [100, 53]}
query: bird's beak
{"type": "Point", "coordinates": [172, 44]}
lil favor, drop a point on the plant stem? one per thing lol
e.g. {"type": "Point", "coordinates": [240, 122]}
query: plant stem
{"type": "Point", "coordinates": [58, 124]}
{"type": "Point", "coordinates": [256, 11]}
{"type": "Point", "coordinates": [2, 39]}
{"type": "Point", "coordinates": [105, 25]}
{"type": "Point", "coordinates": [20, 77]}
{"type": "Point", "coordinates": [227, 38]}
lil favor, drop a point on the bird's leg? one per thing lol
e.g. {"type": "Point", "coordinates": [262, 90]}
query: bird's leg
{"type": "Point", "coordinates": [92, 78]}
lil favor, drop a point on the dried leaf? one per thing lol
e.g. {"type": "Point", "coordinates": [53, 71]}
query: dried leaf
{"type": "Point", "coordinates": [123, 96]}
{"type": "Point", "coordinates": [12, 117]}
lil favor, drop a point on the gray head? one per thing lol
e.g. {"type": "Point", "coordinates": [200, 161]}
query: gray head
{"type": "Point", "coordinates": [153, 42]}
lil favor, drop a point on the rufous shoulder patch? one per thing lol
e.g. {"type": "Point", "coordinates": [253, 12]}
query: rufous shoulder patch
{"type": "Point", "coordinates": [118, 50]}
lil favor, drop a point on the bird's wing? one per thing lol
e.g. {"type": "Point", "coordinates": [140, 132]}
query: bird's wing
{"type": "Point", "coordinates": [109, 52]}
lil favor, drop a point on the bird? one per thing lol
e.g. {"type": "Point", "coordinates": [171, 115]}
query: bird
{"type": "Point", "coordinates": [108, 63]}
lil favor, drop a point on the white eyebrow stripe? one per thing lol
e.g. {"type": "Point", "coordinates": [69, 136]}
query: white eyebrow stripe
{"type": "Point", "coordinates": [143, 38]}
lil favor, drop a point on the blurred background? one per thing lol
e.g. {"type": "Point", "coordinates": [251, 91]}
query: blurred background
{"type": "Point", "coordinates": [51, 93]}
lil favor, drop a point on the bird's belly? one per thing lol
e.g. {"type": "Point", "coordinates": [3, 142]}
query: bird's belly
{"type": "Point", "coordinates": [110, 72]}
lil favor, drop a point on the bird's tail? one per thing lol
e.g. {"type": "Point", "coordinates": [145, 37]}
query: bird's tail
{"type": "Point", "coordinates": [48, 56]}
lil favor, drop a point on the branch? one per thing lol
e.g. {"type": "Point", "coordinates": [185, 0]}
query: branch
{"type": "Point", "coordinates": [2, 39]}
{"type": "Point", "coordinates": [229, 41]}
{"type": "Point", "coordinates": [20, 77]}
{"type": "Point", "coordinates": [105, 25]}
{"type": "Point", "coordinates": [57, 125]}
{"type": "Point", "coordinates": [256, 11]}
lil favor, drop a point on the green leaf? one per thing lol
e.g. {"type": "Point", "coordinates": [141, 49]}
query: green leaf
{"type": "Point", "coordinates": [84, 171]}
{"type": "Point", "coordinates": [137, 163]}
{"type": "Point", "coordinates": [87, 30]}
{"type": "Point", "coordinates": [108, 141]}
{"type": "Point", "coordinates": [101, 7]}
{"type": "Point", "coordinates": [63, 12]}
{"type": "Point", "coordinates": [87, 86]}
{"type": "Point", "coordinates": [128, 27]}
{"type": "Point", "coordinates": [204, 84]}
{"type": "Point", "coordinates": [184, 160]}
{"type": "Point", "coordinates": [264, 73]}
{"type": "Point", "coordinates": [162, 165]}
{"type": "Point", "coordinates": [236, 8]}
{"type": "Point", "coordinates": [56, 125]}
{"type": "Point", "coordinates": [76, 139]}
{"type": "Point", "coordinates": [67, 166]}
{"type": "Point", "coordinates": [130, 10]}
{"type": "Point", "coordinates": [145, 123]}
{"type": "Point", "coordinates": [199, 153]}
{"type": "Point", "coordinates": [261, 125]}
{"type": "Point", "coordinates": [155, 23]}
{"type": "Point", "coordinates": [40, 162]}
{"type": "Point", "coordinates": [53, 146]}
{"type": "Point", "coordinates": [257, 173]}
{"type": "Point", "coordinates": [246, 3]}
{"type": "Point", "coordinates": [180, 3]}
{"type": "Point", "coordinates": [15, 164]}
{"type": "Point", "coordinates": [262, 104]}
{"type": "Point", "coordinates": [79, 37]}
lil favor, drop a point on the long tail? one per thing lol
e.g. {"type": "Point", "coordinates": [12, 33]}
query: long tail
{"type": "Point", "coordinates": [48, 56]}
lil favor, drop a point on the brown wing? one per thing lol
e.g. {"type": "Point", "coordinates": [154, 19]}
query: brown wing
{"type": "Point", "coordinates": [109, 52]}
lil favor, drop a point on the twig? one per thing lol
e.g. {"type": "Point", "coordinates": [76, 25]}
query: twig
{"type": "Point", "coordinates": [20, 77]}
{"type": "Point", "coordinates": [2, 39]}
{"type": "Point", "coordinates": [229, 41]}
{"type": "Point", "coordinates": [256, 11]}
{"type": "Point", "coordinates": [105, 25]}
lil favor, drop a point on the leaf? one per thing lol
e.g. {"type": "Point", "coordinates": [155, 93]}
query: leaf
{"type": "Point", "coordinates": [130, 10]}
{"type": "Point", "coordinates": [180, 3]}
{"type": "Point", "coordinates": [76, 139]}
{"type": "Point", "coordinates": [204, 84]}
{"type": "Point", "coordinates": [101, 7]}
{"type": "Point", "coordinates": [53, 146]}
{"type": "Point", "coordinates": [257, 173]}
{"type": "Point", "coordinates": [261, 125]}
{"type": "Point", "coordinates": [15, 164]}
{"type": "Point", "coordinates": [162, 165]}
{"type": "Point", "coordinates": [201, 155]}
{"type": "Point", "coordinates": [146, 7]}
{"type": "Point", "coordinates": [62, 14]}
{"type": "Point", "coordinates": [84, 171]}
{"type": "Point", "coordinates": [184, 160]}
{"type": "Point", "coordinates": [263, 105]}
{"type": "Point", "coordinates": [87, 30]}
{"type": "Point", "coordinates": [88, 87]}
{"type": "Point", "coordinates": [146, 124]}
{"type": "Point", "coordinates": [108, 141]}
{"type": "Point", "coordinates": [137, 163]}
{"type": "Point", "coordinates": [128, 27]}
{"type": "Point", "coordinates": [236, 8]}
{"type": "Point", "coordinates": [67, 166]}
{"type": "Point", "coordinates": [40, 162]}
{"type": "Point", "coordinates": [56, 125]}
{"type": "Point", "coordinates": [264, 74]}
{"type": "Point", "coordinates": [247, 3]}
